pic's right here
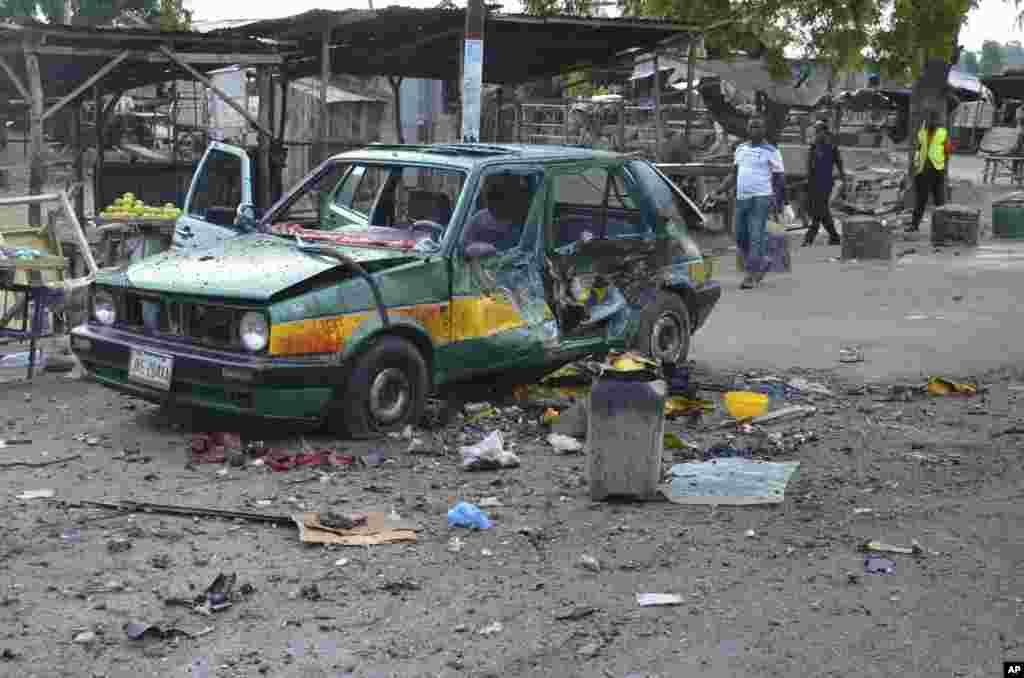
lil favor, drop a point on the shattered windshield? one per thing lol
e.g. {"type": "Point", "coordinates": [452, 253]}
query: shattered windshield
{"type": "Point", "coordinates": [392, 202]}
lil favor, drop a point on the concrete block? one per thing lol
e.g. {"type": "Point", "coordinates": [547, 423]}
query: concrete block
{"type": "Point", "coordinates": [866, 237]}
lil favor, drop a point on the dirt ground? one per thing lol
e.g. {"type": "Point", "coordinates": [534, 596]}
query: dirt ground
{"type": "Point", "coordinates": [790, 598]}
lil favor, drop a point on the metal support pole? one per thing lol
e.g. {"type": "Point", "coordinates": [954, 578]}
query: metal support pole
{"type": "Point", "coordinates": [266, 120]}
{"type": "Point", "coordinates": [325, 79]}
{"type": "Point", "coordinates": [77, 145]}
{"type": "Point", "coordinates": [659, 131]}
{"type": "Point", "coordinates": [497, 119]}
{"type": "Point", "coordinates": [97, 177]}
{"type": "Point", "coordinates": [472, 70]}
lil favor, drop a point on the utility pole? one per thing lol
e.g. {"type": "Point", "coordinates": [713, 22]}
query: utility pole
{"type": "Point", "coordinates": [472, 71]}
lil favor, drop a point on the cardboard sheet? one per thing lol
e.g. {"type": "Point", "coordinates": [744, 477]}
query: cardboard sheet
{"type": "Point", "coordinates": [731, 481]}
{"type": "Point", "coordinates": [379, 529]}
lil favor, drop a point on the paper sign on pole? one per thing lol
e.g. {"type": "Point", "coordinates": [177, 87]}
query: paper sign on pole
{"type": "Point", "coordinates": [472, 85]}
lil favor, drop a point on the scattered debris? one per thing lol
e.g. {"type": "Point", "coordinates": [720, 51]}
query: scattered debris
{"type": "Point", "coordinates": [71, 536]}
{"type": "Point", "coordinates": [785, 414]}
{"type": "Point", "coordinates": [455, 545]}
{"type": "Point", "coordinates": [279, 461]}
{"type": "Point", "coordinates": [673, 442]}
{"type": "Point", "coordinates": [801, 384]}
{"type": "Point", "coordinates": [575, 613]}
{"type": "Point", "coordinates": [119, 545]}
{"type": "Point", "coordinates": [550, 416]}
{"type": "Point", "coordinates": [380, 528]}
{"type": "Point", "coordinates": [658, 599]}
{"type": "Point", "coordinates": [750, 534]}
{"type": "Point", "coordinates": [141, 631]}
{"type": "Point", "coordinates": [39, 464]}
{"type": "Point", "coordinates": [85, 638]}
{"type": "Point", "coordinates": [129, 506]}
{"type": "Point", "coordinates": [564, 444]}
{"type": "Point", "coordinates": [468, 515]}
{"type": "Point", "coordinates": [878, 547]}
{"type": "Point", "coordinates": [851, 354]}
{"type": "Point", "coordinates": [400, 586]}
{"type": "Point", "coordinates": [492, 629]}
{"type": "Point", "coordinates": [730, 482]}
{"type": "Point", "coordinates": [490, 502]}
{"type": "Point", "coordinates": [16, 441]}
{"type": "Point", "coordinates": [342, 521]}
{"type": "Point", "coordinates": [488, 454]}
{"type": "Point", "coordinates": [679, 406]}
{"type": "Point", "coordinates": [217, 596]}
{"type": "Point", "coordinates": [589, 650]}
{"type": "Point", "coordinates": [745, 404]}
{"type": "Point", "coordinates": [36, 494]}
{"type": "Point", "coordinates": [589, 563]}
{"type": "Point", "coordinates": [873, 565]}
{"type": "Point", "coordinates": [160, 561]}
{"type": "Point", "coordinates": [943, 387]}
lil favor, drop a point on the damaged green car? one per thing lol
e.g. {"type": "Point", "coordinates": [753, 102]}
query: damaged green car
{"type": "Point", "coordinates": [395, 272]}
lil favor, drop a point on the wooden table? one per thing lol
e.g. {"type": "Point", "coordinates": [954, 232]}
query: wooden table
{"type": "Point", "coordinates": [32, 308]}
{"type": "Point", "coordinates": [124, 242]}
{"type": "Point", "coordinates": [996, 166]}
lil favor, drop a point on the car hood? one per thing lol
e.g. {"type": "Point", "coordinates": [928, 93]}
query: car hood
{"type": "Point", "coordinates": [252, 267]}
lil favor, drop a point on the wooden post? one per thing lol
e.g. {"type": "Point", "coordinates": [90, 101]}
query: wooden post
{"type": "Point", "coordinates": [621, 132]}
{"type": "Point", "coordinates": [497, 120]}
{"type": "Point", "coordinates": [36, 177]}
{"type": "Point", "coordinates": [266, 113]}
{"type": "Point", "coordinates": [396, 93]}
{"type": "Point", "coordinates": [691, 59]}
{"type": "Point", "coordinates": [472, 72]}
{"type": "Point", "coordinates": [97, 177]}
{"type": "Point", "coordinates": [659, 137]}
{"type": "Point", "coordinates": [325, 79]}
{"type": "Point", "coordinates": [76, 142]}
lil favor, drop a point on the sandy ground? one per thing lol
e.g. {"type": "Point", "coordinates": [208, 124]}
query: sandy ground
{"type": "Point", "coordinates": [768, 591]}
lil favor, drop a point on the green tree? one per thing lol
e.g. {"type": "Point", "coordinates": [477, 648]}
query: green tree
{"type": "Point", "coordinates": [969, 62]}
{"type": "Point", "coordinates": [168, 14]}
{"type": "Point", "coordinates": [992, 58]}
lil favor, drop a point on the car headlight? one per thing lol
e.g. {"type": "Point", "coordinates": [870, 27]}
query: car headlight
{"type": "Point", "coordinates": [254, 331]}
{"type": "Point", "coordinates": [103, 308]}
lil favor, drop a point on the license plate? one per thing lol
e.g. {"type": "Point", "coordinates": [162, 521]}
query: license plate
{"type": "Point", "coordinates": [152, 369]}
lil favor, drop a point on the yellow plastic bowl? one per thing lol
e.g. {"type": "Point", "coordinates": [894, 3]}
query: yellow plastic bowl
{"type": "Point", "coordinates": [745, 404]}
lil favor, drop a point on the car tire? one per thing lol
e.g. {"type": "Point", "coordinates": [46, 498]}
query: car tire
{"type": "Point", "coordinates": [664, 333]}
{"type": "Point", "coordinates": [386, 390]}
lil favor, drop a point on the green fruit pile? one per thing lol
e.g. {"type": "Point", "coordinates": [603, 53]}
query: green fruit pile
{"type": "Point", "coordinates": [128, 207]}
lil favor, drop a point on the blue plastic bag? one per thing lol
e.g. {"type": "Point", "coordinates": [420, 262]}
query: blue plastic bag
{"type": "Point", "coordinates": [468, 515]}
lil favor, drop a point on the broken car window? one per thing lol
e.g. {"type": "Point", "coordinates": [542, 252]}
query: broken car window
{"type": "Point", "coordinates": [503, 208]}
{"type": "Point", "coordinates": [594, 203]}
{"type": "Point", "coordinates": [218, 185]}
{"type": "Point", "coordinates": [307, 207]}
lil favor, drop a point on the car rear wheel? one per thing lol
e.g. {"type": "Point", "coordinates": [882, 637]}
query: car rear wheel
{"type": "Point", "coordinates": [385, 391]}
{"type": "Point", "coordinates": [664, 333]}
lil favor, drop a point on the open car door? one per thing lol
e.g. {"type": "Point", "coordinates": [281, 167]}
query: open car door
{"type": "Point", "coordinates": [222, 183]}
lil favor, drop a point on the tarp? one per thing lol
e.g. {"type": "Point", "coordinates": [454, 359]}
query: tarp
{"type": "Point", "coordinates": [807, 83]}
{"type": "Point", "coordinates": [732, 481]}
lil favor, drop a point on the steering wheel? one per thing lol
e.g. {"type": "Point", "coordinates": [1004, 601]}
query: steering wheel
{"type": "Point", "coordinates": [437, 228]}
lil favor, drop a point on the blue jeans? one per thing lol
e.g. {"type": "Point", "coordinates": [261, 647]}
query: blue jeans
{"type": "Point", "coordinates": [751, 231]}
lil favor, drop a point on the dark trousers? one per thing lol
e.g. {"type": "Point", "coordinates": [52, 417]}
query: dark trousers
{"type": "Point", "coordinates": [929, 182]}
{"type": "Point", "coordinates": [820, 215]}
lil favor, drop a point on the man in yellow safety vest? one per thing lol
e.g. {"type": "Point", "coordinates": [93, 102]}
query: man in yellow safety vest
{"type": "Point", "coordinates": [933, 149]}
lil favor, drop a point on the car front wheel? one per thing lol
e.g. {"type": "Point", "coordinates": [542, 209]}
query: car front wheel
{"type": "Point", "coordinates": [385, 391]}
{"type": "Point", "coordinates": [664, 332]}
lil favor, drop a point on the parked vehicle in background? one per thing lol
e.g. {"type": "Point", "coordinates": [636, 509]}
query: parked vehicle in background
{"type": "Point", "coordinates": [394, 272]}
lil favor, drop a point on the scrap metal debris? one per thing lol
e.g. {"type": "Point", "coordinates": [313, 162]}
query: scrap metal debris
{"type": "Point", "coordinates": [39, 464]}
{"type": "Point", "coordinates": [487, 455]}
{"type": "Point", "coordinates": [879, 547]}
{"type": "Point", "coordinates": [658, 599]}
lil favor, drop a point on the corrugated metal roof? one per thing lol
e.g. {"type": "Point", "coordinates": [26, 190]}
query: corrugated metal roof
{"type": "Point", "coordinates": [335, 95]}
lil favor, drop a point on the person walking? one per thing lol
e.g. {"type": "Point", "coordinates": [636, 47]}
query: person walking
{"type": "Point", "coordinates": [933, 149]}
{"type": "Point", "coordinates": [758, 175]}
{"type": "Point", "coordinates": [821, 157]}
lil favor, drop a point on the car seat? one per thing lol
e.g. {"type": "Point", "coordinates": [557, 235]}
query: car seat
{"type": "Point", "coordinates": [436, 207]}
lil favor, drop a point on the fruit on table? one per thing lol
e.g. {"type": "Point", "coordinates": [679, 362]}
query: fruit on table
{"type": "Point", "coordinates": [129, 207]}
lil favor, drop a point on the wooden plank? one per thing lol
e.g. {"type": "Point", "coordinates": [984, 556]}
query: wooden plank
{"type": "Point", "coordinates": [36, 147]}
{"type": "Point", "coordinates": [92, 80]}
{"type": "Point", "coordinates": [29, 199]}
{"type": "Point", "coordinates": [18, 84]}
{"type": "Point", "coordinates": [325, 79]}
{"type": "Point", "coordinates": [216, 90]}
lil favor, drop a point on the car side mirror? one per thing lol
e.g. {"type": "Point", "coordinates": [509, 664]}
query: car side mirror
{"type": "Point", "coordinates": [246, 215]}
{"type": "Point", "coordinates": [480, 250]}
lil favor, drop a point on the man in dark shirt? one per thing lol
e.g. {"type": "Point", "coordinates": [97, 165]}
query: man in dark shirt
{"type": "Point", "coordinates": [821, 157]}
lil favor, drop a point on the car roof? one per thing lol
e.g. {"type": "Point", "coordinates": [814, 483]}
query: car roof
{"type": "Point", "coordinates": [469, 156]}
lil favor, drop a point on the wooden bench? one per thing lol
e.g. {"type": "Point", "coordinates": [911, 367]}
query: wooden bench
{"type": "Point", "coordinates": [996, 166]}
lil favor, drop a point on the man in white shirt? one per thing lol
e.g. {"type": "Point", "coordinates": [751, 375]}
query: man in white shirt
{"type": "Point", "coordinates": [758, 175]}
